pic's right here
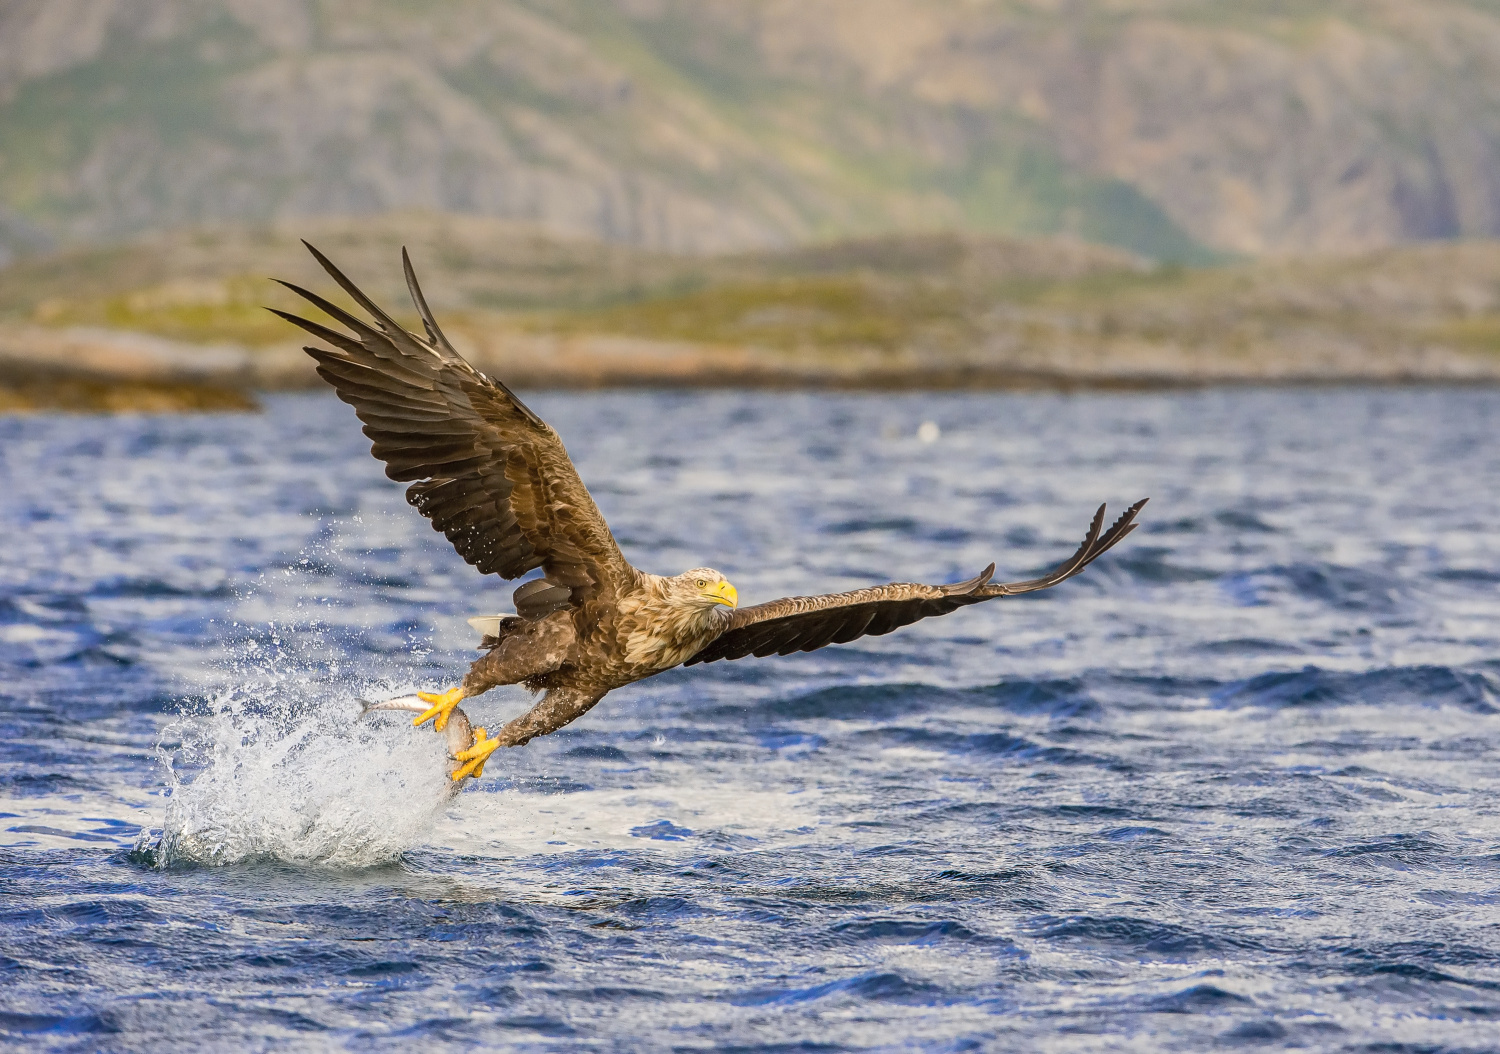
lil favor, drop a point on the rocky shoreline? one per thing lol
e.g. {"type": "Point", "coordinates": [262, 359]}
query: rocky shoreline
{"type": "Point", "coordinates": [99, 370]}
{"type": "Point", "coordinates": [179, 319]}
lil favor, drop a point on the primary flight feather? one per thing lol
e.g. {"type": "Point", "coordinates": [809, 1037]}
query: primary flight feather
{"type": "Point", "coordinates": [495, 479]}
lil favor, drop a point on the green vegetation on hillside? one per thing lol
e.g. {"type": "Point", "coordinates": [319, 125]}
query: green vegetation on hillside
{"type": "Point", "coordinates": [113, 396]}
{"type": "Point", "coordinates": [938, 305]}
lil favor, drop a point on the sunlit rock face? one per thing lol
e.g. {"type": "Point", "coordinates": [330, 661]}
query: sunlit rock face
{"type": "Point", "coordinates": [1170, 129]}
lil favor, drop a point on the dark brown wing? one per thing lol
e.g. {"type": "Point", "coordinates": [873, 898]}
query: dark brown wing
{"type": "Point", "coordinates": [486, 471]}
{"type": "Point", "coordinates": [808, 623]}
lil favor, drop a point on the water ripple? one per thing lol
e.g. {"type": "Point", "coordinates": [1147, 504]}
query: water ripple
{"type": "Point", "coordinates": [1235, 787]}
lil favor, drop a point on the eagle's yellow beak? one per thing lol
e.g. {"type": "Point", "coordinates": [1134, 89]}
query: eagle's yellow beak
{"type": "Point", "coordinates": [721, 593]}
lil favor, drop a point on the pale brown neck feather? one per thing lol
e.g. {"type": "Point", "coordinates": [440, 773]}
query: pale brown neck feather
{"type": "Point", "coordinates": [659, 632]}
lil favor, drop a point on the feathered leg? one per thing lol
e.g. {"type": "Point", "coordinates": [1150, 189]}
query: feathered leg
{"type": "Point", "coordinates": [560, 706]}
{"type": "Point", "coordinates": [528, 649]}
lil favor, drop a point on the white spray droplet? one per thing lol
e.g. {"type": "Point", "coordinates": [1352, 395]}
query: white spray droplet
{"type": "Point", "coordinates": [929, 432]}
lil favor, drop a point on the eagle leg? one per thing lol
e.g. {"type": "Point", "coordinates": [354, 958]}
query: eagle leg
{"type": "Point", "coordinates": [560, 706]}
{"type": "Point", "coordinates": [475, 756]}
{"type": "Point", "coordinates": [440, 705]}
{"type": "Point", "coordinates": [525, 650]}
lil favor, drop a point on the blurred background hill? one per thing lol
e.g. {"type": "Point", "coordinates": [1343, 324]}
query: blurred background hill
{"type": "Point", "coordinates": [1114, 190]}
{"type": "Point", "coordinates": [1168, 127]}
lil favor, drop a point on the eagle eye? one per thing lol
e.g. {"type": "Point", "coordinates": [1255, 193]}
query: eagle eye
{"type": "Point", "coordinates": [701, 583]}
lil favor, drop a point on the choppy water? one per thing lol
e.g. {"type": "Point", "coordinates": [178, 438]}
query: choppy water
{"type": "Point", "coordinates": [1235, 786]}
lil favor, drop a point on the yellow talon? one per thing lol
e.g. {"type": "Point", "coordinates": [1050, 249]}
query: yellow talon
{"type": "Point", "coordinates": [475, 757]}
{"type": "Point", "coordinates": [442, 705]}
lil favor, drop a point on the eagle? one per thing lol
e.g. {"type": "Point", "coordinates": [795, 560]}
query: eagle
{"type": "Point", "coordinates": [494, 478]}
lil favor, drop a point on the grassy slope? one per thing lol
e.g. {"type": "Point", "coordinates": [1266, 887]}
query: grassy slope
{"type": "Point", "coordinates": [212, 284]}
{"type": "Point", "coordinates": [907, 303]}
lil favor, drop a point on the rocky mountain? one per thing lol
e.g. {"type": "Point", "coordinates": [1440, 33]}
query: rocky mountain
{"type": "Point", "coordinates": [1175, 128]}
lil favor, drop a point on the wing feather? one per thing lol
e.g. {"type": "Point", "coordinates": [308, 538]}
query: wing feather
{"type": "Point", "coordinates": [794, 624]}
{"type": "Point", "coordinates": [483, 468]}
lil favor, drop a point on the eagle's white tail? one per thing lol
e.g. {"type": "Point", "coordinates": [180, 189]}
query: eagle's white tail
{"type": "Point", "coordinates": [489, 625]}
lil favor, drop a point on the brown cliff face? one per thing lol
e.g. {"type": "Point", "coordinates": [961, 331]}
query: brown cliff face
{"type": "Point", "coordinates": [1166, 126]}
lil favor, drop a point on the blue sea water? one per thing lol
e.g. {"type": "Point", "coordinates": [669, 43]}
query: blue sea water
{"type": "Point", "coordinates": [1238, 786]}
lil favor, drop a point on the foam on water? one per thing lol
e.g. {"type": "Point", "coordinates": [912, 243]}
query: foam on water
{"type": "Point", "coordinates": [299, 779]}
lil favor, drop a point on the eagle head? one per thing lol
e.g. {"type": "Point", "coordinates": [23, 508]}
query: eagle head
{"type": "Point", "coordinates": [671, 619]}
{"type": "Point", "coordinates": [702, 587]}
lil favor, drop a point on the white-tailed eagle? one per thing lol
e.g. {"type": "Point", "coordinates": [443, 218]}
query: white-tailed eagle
{"type": "Point", "coordinates": [495, 479]}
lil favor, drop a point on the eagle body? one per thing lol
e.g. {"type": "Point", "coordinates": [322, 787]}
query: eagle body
{"type": "Point", "coordinates": [496, 480]}
{"type": "Point", "coordinates": [575, 657]}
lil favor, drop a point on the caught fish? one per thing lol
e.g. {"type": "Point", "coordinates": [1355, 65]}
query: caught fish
{"type": "Point", "coordinates": [465, 762]}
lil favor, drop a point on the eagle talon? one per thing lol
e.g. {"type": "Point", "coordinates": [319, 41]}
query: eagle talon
{"type": "Point", "coordinates": [475, 757]}
{"type": "Point", "coordinates": [442, 704]}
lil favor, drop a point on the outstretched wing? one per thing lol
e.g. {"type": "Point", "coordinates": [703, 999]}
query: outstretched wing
{"type": "Point", "coordinates": [486, 471]}
{"type": "Point", "coordinates": [791, 624]}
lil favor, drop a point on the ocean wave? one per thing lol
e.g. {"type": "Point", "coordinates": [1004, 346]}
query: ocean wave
{"type": "Point", "coordinates": [1398, 686]}
{"type": "Point", "coordinates": [988, 744]}
{"type": "Point", "coordinates": [884, 986]}
{"type": "Point", "coordinates": [140, 587]}
{"type": "Point", "coordinates": [1055, 698]}
{"type": "Point", "coordinates": [1120, 812]}
{"type": "Point", "coordinates": [1150, 565]}
{"type": "Point", "coordinates": [920, 932]}
{"type": "Point", "coordinates": [1196, 999]}
{"type": "Point", "coordinates": [1135, 936]}
{"type": "Point", "coordinates": [1349, 589]}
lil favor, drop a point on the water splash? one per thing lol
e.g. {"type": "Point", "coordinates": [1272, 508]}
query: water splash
{"type": "Point", "coordinates": [290, 776]}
